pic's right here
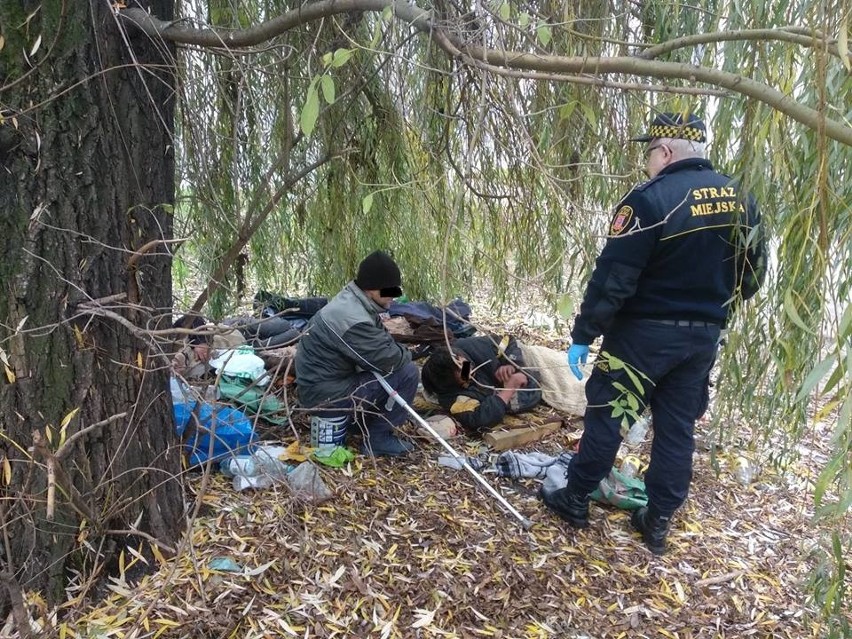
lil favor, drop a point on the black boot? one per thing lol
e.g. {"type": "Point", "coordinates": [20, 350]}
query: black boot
{"type": "Point", "coordinates": [383, 442]}
{"type": "Point", "coordinates": [570, 506]}
{"type": "Point", "coordinates": [654, 529]}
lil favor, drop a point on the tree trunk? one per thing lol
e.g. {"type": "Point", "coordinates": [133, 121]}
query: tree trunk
{"type": "Point", "coordinates": [86, 180]}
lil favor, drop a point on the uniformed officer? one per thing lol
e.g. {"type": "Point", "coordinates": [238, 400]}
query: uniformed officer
{"type": "Point", "coordinates": [680, 253]}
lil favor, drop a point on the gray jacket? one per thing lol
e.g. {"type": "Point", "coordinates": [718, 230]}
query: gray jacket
{"type": "Point", "coordinates": [345, 338]}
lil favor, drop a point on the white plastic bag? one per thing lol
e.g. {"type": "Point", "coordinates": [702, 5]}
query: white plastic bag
{"type": "Point", "coordinates": [241, 363]}
{"type": "Point", "coordinates": [259, 470]}
{"type": "Point", "coordinates": [307, 484]}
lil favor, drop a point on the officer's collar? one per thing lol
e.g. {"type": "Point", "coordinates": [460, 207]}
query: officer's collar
{"type": "Point", "coordinates": [688, 163]}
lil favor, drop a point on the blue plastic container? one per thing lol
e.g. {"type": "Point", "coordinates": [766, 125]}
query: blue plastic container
{"type": "Point", "coordinates": [232, 432]}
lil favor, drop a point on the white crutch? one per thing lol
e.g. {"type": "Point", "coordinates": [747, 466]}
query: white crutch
{"type": "Point", "coordinates": [526, 523]}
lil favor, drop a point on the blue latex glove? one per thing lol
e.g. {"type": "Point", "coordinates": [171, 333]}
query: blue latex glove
{"type": "Point", "coordinates": [577, 354]}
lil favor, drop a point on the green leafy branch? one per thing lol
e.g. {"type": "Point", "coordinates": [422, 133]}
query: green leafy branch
{"type": "Point", "coordinates": [631, 401]}
{"type": "Point", "coordinates": [310, 111]}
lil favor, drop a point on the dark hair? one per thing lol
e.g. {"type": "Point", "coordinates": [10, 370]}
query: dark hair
{"type": "Point", "coordinates": [439, 372]}
{"type": "Point", "coordinates": [192, 322]}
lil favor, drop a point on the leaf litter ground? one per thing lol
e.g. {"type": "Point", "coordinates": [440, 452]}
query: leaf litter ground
{"type": "Point", "coordinates": [414, 549]}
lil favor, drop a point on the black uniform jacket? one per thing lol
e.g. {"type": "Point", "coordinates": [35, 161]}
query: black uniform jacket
{"type": "Point", "coordinates": [685, 245]}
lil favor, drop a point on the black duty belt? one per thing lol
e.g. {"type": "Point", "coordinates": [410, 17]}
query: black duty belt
{"type": "Point", "coordinates": [685, 323]}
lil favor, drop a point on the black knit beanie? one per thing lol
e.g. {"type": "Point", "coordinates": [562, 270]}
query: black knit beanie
{"type": "Point", "coordinates": [378, 272]}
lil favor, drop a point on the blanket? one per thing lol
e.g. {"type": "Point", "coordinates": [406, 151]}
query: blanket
{"type": "Point", "coordinates": [559, 388]}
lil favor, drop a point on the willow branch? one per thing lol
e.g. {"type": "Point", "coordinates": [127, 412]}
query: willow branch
{"type": "Point", "coordinates": [248, 231]}
{"type": "Point", "coordinates": [735, 83]}
{"type": "Point", "coordinates": [598, 82]}
{"type": "Point", "coordinates": [421, 19]}
{"type": "Point", "coordinates": [139, 533]}
{"type": "Point", "coordinates": [181, 33]}
{"type": "Point", "coordinates": [60, 477]}
{"type": "Point", "coordinates": [785, 34]}
{"type": "Point", "coordinates": [16, 602]}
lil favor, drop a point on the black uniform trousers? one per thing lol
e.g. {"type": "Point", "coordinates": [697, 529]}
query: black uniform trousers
{"type": "Point", "coordinates": [676, 356]}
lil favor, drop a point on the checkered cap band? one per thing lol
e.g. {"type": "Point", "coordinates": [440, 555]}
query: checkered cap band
{"type": "Point", "coordinates": [677, 131]}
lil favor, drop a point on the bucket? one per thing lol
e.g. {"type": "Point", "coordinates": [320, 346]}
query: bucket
{"type": "Point", "coordinates": [328, 432]}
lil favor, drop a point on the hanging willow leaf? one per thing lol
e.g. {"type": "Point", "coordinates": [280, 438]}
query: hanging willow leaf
{"type": "Point", "coordinates": [67, 419]}
{"type": "Point", "coordinates": [310, 111]}
{"type": "Point", "coordinates": [367, 203]}
{"type": "Point", "coordinates": [36, 46]}
{"type": "Point", "coordinates": [504, 11]}
{"type": "Point", "coordinates": [544, 34]}
{"type": "Point", "coordinates": [792, 313]}
{"type": "Point", "coordinates": [327, 84]}
{"type": "Point", "coordinates": [565, 306]}
{"type": "Point", "coordinates": [341, 57]}
{"type": "Point", "coordinates": [814, 377]}
{"type": "Point", "coordinates": [843, 42]}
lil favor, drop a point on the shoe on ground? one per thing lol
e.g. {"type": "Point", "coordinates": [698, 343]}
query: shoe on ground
{"type": "Point", "coordinates": [385, 445]}
{"type": "Point", "coordinates": [654, 529]}
{"type": "Point", "coordinates": [567, 505]}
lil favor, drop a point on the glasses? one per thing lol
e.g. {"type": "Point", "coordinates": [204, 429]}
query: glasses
{"type": "Point", "coordinates": [651, 149]}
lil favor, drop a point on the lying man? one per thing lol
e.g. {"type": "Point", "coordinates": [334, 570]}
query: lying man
{"type": "Point", "coordinates": [480, 381]}
{"type": "Point", "coordinates": [202, 343]}
{"type": "Point", "coordinates": [344, 344]}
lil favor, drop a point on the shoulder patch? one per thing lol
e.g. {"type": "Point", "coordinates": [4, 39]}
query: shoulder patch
{"type": "Point", "coordinates": [645, 185]}
{"type": "Point", "coordinates": [621, 220]}
{"type": "Point", "coordinates": [464, 404]}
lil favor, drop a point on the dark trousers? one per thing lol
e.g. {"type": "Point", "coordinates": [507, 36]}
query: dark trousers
{"type": "Point", "coordinates": [367, 402]}
{"type": "Point", "coordinates": [676, 361]}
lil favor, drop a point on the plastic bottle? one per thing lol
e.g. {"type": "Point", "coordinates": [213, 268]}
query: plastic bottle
{"type": "Point", "coordinates": [744, 471]}
{"type": "Point", "coordinates": [636, 434]}
{"type": "Point", "coordinates": [259, 470]}
{"type": "Point", "coordinates": [630, 466]}
{"type": "Point", "coordinates": [181, 393]}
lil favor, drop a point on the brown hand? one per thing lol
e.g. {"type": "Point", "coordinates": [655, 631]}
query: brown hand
{"type": "Point", "coordinates": [504, 373]}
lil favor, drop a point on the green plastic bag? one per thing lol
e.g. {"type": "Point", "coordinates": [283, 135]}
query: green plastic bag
{"type": "Point", "coordinates": [627, 493]}
{"type": "Point", "coordinates": [337, 457]}
{"type": "Point", "coordinates": [252, 399]}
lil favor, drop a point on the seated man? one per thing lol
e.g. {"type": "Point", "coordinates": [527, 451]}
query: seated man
{"type": "Point", "coordinates": [345, 342]}
{"type": "Point", "coordinates": [480, 381]}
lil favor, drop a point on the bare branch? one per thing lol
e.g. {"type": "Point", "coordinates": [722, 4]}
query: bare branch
{"type": "Point", "coordinates": [779, 101]}
{"type": "Point", "coordinates": [249, 229]}
{"type": "Point", "coordinates": [421, 20]}
{"type": "Point", "coordinates": [16, 599]}
{"type": "Point", "coordinates": [180, 33]}
{"type": "Point", "coordinates": [786, 34]}
{"type": "Point", "coordinates": [599, 82]}
{"type": "Point", "coordinates": [63, 450]}
{"type": "Point", "coordinates": [57, 475]}
{"type": "Point", "coordinates": [139, 533]}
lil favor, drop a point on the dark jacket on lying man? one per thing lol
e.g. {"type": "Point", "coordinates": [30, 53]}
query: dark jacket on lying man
{"type": "Point", "coordinates": [480, 381]}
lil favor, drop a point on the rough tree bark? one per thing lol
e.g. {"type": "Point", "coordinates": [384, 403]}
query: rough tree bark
{"type": "Point", "coordinates": [86, 180]}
